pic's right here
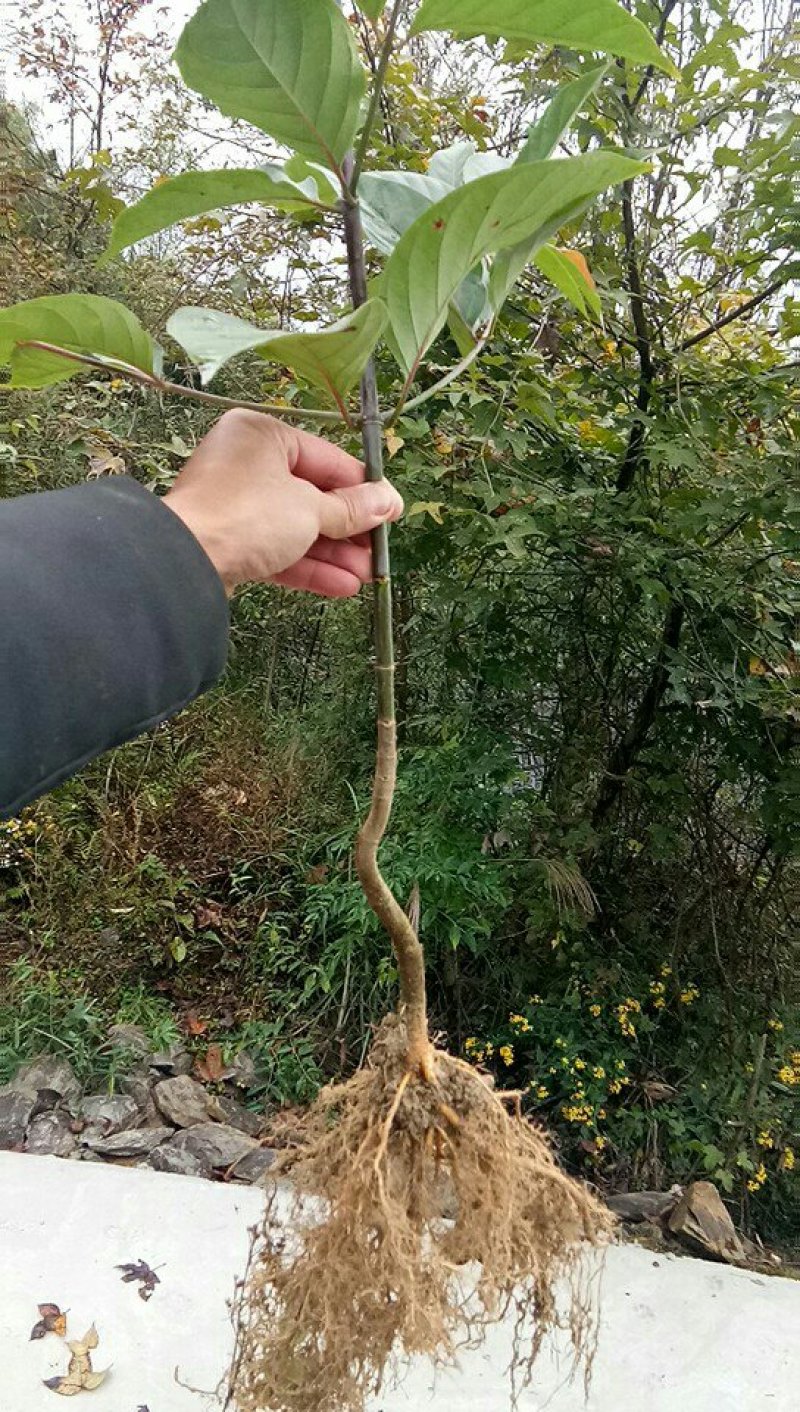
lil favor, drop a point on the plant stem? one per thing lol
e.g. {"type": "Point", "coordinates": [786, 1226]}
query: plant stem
{"type": "Point", "coordinates": [405, 942]}
{"type": "Point", "coordinates": [175, 389]}
{"type": "Point", "coordinates": [353, 171]}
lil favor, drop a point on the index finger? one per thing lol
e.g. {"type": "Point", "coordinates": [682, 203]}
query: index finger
{"type": "Point", "coordinates": [321, 462]}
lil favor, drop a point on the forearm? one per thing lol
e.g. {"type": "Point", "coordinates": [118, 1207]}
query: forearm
{"type": "Point", "coordinates": [113, 618]}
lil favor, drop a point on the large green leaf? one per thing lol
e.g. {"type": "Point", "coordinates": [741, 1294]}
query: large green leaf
{"type": "Point", "coordinates": [599, 26]}
{"type": "Point", "coordinates": [373, 8]}
{"type": "Point", "coordinates": [290, 67]}
{"type": "Point", "coordinates": [331, 358]}
{"type": "Point", "coordinates": [548, 130]}
{"type": "Point", "coordinates": [392, 201]}
{"type": "Point", "coordinates": [195, 193]}
{"type": "Point", "coordinates": [526, 203]}
{"type": "Point", "coordinates": [571, 277]}
{"type": "Point", "coordinates": [80, 323]}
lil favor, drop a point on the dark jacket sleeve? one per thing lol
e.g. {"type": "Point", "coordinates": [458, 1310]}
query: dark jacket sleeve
{"type": "Point", "coordinates": [112, 618]}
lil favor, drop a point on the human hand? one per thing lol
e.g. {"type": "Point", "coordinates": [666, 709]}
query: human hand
{"type": "Point", "coordinates": [272, 504]}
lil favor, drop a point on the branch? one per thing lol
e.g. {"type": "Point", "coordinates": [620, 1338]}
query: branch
{"type": "Point", "coordinates": [466, 362]}
{"type": "Point", "coordinates": [627, 750]}
{"type": "Point", "coordinates": [634, 454]}
{"type": "Point", "coordinates": [375, 98]}
{"type": "Point", "coordinates": [175, 389]}
{"type": "Point", "coordinates": [734, 314]}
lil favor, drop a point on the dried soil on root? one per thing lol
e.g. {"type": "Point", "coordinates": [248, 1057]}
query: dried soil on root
{"type": "Point", "coordinates": [367, 1274]}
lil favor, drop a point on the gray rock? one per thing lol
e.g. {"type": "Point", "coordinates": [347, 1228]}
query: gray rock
{"type": "Point", "coordinates": [244, 1069]}
{"type": "Point", "coordinates": [110, 1113]}
{"type": "Point", "coordinates": [15, 1112]}
{"type": "Point", "coordinates": [255, 1165]}
{"type": "Point", "coordinates": [47, 1071]}
{"type": "Point", "coordinates": [50, 1134]}
{"type": "Point", "coordinates": [180, 1161]}
{"type": "Point", "coordinates": [182, 1101]}
{"type": "Point", "coordinates": [139, 1088]}
{"type": "Point", "coordinates": [638, 1206]}
{"type": "Point", "coordinates": [170, 1062]}
{"type": "Point", "coordinates": [216, 1145]}
{"type": "Point", "coordinates": [131, 1038]}
{"type": "Point", "coordinates": [226, 1110]}
{"type": "Point", "coordinates": [137, 1142]}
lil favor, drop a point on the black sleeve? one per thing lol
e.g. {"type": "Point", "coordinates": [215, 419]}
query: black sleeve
{"type": "Point", "coordinates": [112, 618]}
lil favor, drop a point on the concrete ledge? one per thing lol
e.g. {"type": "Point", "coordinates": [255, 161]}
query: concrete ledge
{"type": "Point", "coordinates": [678, 1335]}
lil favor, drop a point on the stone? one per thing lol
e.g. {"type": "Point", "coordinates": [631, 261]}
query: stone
{"type": "Point", "coordinates": [701, 1219]}
{"type": "Point", "coordinates": [47, 1071]}
{"type": "Point", "coordinates": [129, 1037]}
{"type": "Point", "coordinates": [255, 1165]}
{"type": "Point", "coordinates": [50, 1134]}
{"type": "Point", "coordinates": [637, 1206]}
{"type": "Point", "coordinates": [170, 1062]}
{"type": "Point", "coordinates": [110, 1113]}
{"type": "Point", "coordinates": [227, 1110]}
{"type": "Point", "coordinates": [216, 1145]}
{"type": "Point", "coordinates": [136, 1142]}
{"type": "Point", "coordinates": [182, 1101]}
{"type": "Point", "coordinates": [138, 1086]}
{"type": "Point", "coordinates": [177, 1160]}
{"type": "Point", "coordinates": [15, 1113]}
{"type": "Point", "coordinates": [244, 1069]}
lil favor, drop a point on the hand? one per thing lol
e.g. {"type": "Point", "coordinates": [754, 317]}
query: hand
{"type": "Point", "coordinates": [272, 504]}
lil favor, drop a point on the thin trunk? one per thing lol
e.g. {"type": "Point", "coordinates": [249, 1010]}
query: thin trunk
{"type": "Point", "coordinates": [405, 942]}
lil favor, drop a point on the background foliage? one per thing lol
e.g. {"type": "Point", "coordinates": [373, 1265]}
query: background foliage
{"type": "Point", "coordinates": [598, 595]}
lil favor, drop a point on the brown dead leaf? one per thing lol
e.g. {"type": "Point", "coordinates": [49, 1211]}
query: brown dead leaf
{"type": "Point", "coordinates": [80, 1376]}
{"type": "Point", "coordinates": [211, 1067]}
{"type": "Point", "coordinates": [208, 914]}
{"type": "Point", "coordinates": [194, 1025]}
{"type": "Point", "coordinates": [140, 1272]}
{"type": "Point", "coordinates": [52, 1321]}
{"type": "Point", "coordinates": [317, 874]}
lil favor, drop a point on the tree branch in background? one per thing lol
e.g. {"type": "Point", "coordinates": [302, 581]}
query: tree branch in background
{"type": "Point", "coordinates": [634, 454]}
{"type": "Point", "coordinates": [733, 315]}
{"type": "Point", "coordinates": [627, 750]}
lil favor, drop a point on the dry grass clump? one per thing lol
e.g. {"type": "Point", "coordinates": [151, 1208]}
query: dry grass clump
{"type": "Point", "coordinates": [365, 1273]}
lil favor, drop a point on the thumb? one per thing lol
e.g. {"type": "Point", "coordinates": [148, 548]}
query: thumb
{"type": "Point", "coordinates": [354, 509]}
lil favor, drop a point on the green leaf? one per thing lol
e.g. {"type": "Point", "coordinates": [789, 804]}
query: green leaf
{"type": "Point", "coordinates": [568, 277]}
{"type": "Point", "coordinates": [331, 358]}
{"type": "Point", "coordinates": [80, 323]}
{"type": "Point", "coordinates": [373, 9]}
{"type": "Point", "coordinates": [545, 134]}
{"type": "Point", "coordinates": [526, 203]}
{"type": "Point", "coordinates": [290, 67]}
{"type": "Point", "coordinates": [392, 201]}
{"type": "Point", "coordinates": [599, 26]}
{"type": "Point", "coordinates": [195, 193]}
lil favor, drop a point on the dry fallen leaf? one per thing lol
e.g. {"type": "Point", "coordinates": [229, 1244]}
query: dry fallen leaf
{"type": "Point", "coordinates": [211, 1067]}
{"type": "Point", "coordinates": [194, 1025]}
{"type": "Point", "coordinates": [140, 1271]}
{"type": "Point", "coordinates": [52, 1321]}
{"type": "Point", "coordinates": [80, 1376]}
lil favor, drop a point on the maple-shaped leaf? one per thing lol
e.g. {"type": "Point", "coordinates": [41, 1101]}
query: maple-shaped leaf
{"type": "Point", "coordinates": [51, 1321]}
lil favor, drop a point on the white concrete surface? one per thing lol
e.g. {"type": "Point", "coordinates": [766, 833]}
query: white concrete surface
{"type": "Point", "coordinates": [678, 1335]}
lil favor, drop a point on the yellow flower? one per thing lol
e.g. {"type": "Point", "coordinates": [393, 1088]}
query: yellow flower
{"type": "Point", "coordinates": [794, 1057]}
{"type": "Point", "coordinates": [594, 1010]}
{"type": "Point", "coordinates": [620, 1064]}
{"type": "Point", "coordinates": [560, 1043]}
{"type": "Point", "coordinates": [758, 1179]}
{"type": "Point", "coordinates": [765, 1139]}
{"type": "Point", "coordinates": [506, 1054]}
{"type": "Point", "coordinates": [579, 1095]}
{"type": "Point", "coordinates": [470, 1044]}
{"type": "Point", "coordinates": [542, 1092]}
{"type": "Point", "coordinates": [775, 1024]}
{"type": "Point", "coordinates": [535, 1000]}
{"type": "Point", "coordinates": [657, 987]}
{"type": "Point", "coordinates": [600, 1142]}
{"type": "Point", "coordinates": [598, 1072]}
{"type": "Point", "coordinates": [660, 1003]}
{"type": "Point", "coordinates": [787, 1160]}
{"type": "Point", "coordinates": [601, 1112]}
{"type": "Point", "coordinates": [785, 1075]}
{"type": "Point", "coordinates": [116, 383]}
{"type": "Point", "coordinates": [666, 970]}
{"type": "Point", "coordinates": [489, 1051]}
{"type": "Point", "coordinates": [615, 1086]}
{"type": "Point", "coordinates": [579, 1064]}
{"type": "Point", "coordinates": [689, 995]}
